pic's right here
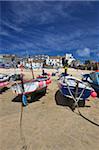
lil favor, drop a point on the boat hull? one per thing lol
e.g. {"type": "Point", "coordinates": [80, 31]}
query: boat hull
{"type": "Point", "coordinates": [29, 87]}
{"type": "Point", "coordinates": [3, 84]}
{"type": "Point", "coordinates": [72, 87]}
{"type": "Point", "coordinates": [64, 90]}
{"type": "Point", "coordinates": [93, 80]}
{"type": "Point", "coordinates": [95, 87]}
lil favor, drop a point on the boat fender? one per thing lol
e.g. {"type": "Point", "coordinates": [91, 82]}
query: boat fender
{"type": "Point", "coordinates": [48, 74]}
{"type": "Point", "coordinates": [4, 84]}
{"type": "Point", "coordinates": [48, 81]}
{"type": "Point", "coordinates": [93, 94]}
{"type": "Point", "coordinates": [40, 76]}
{"type": "Point", "coordinates": [40, 83]}
{"type": "Point", "coordinates": [24, 100]}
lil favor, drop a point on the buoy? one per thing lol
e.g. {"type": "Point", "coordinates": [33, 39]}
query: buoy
{"type": "Point", "coordinates": [93, 94]}
{"type": "Point", "coordinates": [48, 81]}
{"type": "Point", "coordinates": [3, 84]}
{"type": "Point", "coordinates": [48, 74]}
{"type": "Point", "coordinates": [40, 83]}
{"type": "Point", "coordinates": [97, 70]}
{"type": "Point", "coordinates": [24, 100]}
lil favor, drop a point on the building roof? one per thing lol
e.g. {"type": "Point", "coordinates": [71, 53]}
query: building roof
{"type": "Point", "coordinates": [55, 57]}
{"type": "Point", "coordinates": [38, 61]}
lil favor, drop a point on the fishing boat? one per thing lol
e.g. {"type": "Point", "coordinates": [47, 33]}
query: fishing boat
{"type": "Point", "coordinates": [75, 89]}
{"type": "Point", "coordinates": [68, 85]}
{"type": "Point", "coordinates": [93, 80]}
{"type": "Point", "coordinates": [31, 86]}
{"type": "Point", "coordinates": [62, 75]}
{"type": "Point", "coordinates": [44, 78]}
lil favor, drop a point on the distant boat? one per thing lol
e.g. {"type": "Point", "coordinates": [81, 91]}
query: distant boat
{"type": "Point", "coordinates": [93, 80]}
{"type": "Point", "coordinates": [5, 65]}
{"type": "Point", "coordinates": [4, 81]}
{"type": "Point", "coordinates": [3, 77]}
{"type": "Point", "coordinates": [44, 77]}
{"type": "Point", "coordinates": [2, 65]}
{"type": "Point", "coordinates": [62, 75]}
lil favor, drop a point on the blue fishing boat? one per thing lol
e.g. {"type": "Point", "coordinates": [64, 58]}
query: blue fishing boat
{"type": "Point", "coordinates": [93, 80]}
{"type": "Point", "coordinates": [94, 76]}
{"type": "Point", "coordinates": [75, 89]}
{"type": "Point", "coordinates": [67, 86]}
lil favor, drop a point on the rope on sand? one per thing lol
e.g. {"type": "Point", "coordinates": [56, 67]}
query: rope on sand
{"type": "Point", "coordinates": [24, 147]}
{"type": "Point", "coordinates": [76, 105]}
{"type": "Point", "coordinates": [94, 123]}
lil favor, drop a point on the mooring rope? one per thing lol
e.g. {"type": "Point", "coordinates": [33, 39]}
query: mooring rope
{"type": "Point", "coordinates": [76, 101]}
{"type": "Point", "coordinates": [94, 123]}
{"type": "Point", "coordinates": [24, 147]}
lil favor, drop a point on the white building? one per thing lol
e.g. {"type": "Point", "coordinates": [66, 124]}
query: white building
{"type": "Point", "coordinates": [35, 64]}
{"type": "Point", "coordinates": [54, 61]}
{"type": "Point", "coordinates": [38, 61]}
{"type": "Point", "coordinates": [70, 58]}
{"type": "Point", "coordinates": [40, 57]}
{"type": "Point", "coordinates": [1, 59]}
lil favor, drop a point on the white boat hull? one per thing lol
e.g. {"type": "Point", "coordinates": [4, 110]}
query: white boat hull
{"type": "Point", "coordinates": [29, 87]}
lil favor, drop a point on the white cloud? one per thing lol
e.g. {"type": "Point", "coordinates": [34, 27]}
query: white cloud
{"type": "Point", "coordinates": [4, 33]}
{"type": "Point", "coordinates": [83, 53]}
{"type": "Point", "coordinates": [12, 26]}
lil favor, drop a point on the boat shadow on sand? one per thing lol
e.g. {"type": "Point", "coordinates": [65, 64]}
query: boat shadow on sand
{"type": "Point", "coordinates": [64, 101]}
{"type": "Point", "coordinates": [30, 98]}
{"type": "Point", "coordinates": [3, 90]}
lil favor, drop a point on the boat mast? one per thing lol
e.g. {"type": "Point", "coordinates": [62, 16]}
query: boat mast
{"type": "Point", "coordinates": [30, 61]}
{"type": "Point", "coordinates": [31, 67]}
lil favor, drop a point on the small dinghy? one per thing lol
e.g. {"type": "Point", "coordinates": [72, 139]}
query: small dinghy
{"type": "Point", "coordinates": [75, 89]}
{"type": "Point", "coordinates": [44, 78]}
{"type": "Point", "coordinates": [67, 85]}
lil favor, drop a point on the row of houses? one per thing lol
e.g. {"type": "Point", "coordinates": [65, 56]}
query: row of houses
{"type": "Point", "coordinates": [6, 58]}
{"type": "Point", "coordinates": [38, 61]}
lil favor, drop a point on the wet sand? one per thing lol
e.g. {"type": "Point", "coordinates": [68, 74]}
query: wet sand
{"type": "Point", "coordinates": [47, 124]}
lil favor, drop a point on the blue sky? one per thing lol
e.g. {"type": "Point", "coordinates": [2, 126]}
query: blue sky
{"type": "Point", "coordinates": [50, 27]}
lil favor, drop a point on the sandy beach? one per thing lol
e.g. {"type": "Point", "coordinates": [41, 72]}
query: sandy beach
{"type": "Point", "coordinates": [47, 124]}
